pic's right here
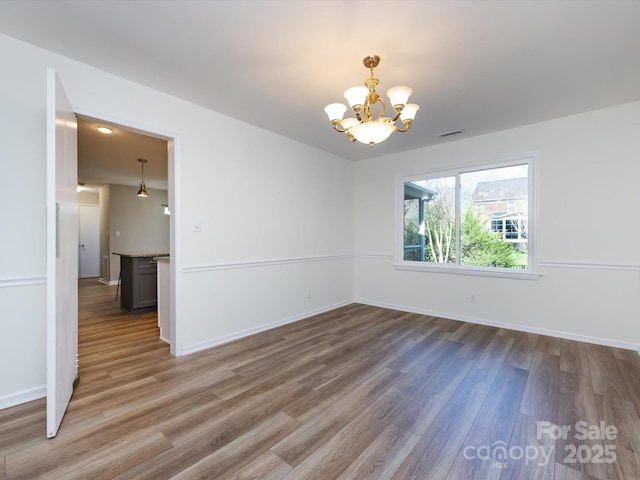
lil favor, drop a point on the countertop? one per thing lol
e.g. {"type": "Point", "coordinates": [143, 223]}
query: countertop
{"type": "Point", "coordinates": [141, 254]}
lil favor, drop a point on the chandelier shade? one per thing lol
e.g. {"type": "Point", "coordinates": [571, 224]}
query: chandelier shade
{"type": "Point", "coordinates": [335, 111]}
{"type": "Point", "coordinates": [409, 112]}
{"type": "Point", "coordinates": [364, 127]}
{"type": "Point", "coordinates": [399, 95]}
{"type": "Point", "coordinates": [372, 132]}
{"type": "Point", "coordinates": [356, 96]}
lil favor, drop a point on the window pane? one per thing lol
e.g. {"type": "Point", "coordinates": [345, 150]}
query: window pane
{"type": "Point", "coordinates": [429, 220]}
{"type": "Point", "coordinates": [411, 226]}
{"type": "Point", "coordinates": [495, 205]}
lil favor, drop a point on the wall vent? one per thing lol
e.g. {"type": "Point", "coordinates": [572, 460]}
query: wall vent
{"type": "Point", "coordinates": [448, 134]}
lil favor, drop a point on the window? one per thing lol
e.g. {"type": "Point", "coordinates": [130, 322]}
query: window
{"type": "Point", "coordinates": [471, 220]}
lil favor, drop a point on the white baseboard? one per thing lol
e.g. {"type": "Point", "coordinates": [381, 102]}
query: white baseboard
{"type": "Point", "coordinates": [196, 347]}
{"type": "Point", "coordinates": [509, 326]}
{"type": "Point", "coordinates": [24, 396]}
{"type": "Point", "coordinates": [107, 282]}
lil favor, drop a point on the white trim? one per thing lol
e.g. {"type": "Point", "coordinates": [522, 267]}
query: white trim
{"type": "Point", "coordinates": [594, 266]}
{"type": "Point", "coordinates": [23, 396]}
{"type": "Point", "coordinates": [453, 269]}
{"type": "Point", "coordinates": [547, 264]}
{"type": "Point", "coordinates": [176, 327]}
{"type": "Point", "coordinates": [263, 263]}
{"type": "Point", "coordinates": [261, 328]}
{"type": "Point", "coordinates": [508, 326]}
{"type": "Point", "coordinates": [107, 282]}
{"type": "Point", "coordinates": [477, 271]}
{"type": "Point", "coordinates": [22, 282]}
{"type": "Point", "coordinates": [374, 256]}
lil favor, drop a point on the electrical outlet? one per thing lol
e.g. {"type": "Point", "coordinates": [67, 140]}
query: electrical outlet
{"type": "Point", "coordinates": [308, 293]}
{"type": "Point", "coordinates": [472, 297]}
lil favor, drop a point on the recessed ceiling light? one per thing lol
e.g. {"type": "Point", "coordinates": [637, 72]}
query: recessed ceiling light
{"type": "Point", "coordinates": [105, 130]}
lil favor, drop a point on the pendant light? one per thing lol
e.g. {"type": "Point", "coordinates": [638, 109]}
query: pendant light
{"type": "Point", "coordinates": [143, 188]}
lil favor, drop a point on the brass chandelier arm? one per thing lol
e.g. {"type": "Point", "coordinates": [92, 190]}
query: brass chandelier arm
{"type": "Point", "coordinates": [372, 99]}
{"type": "Point", "coordinates": [407, 126]}
{"type": "Point", "coordinates": [338, 126]}
{"type": "Point", "coordinates": [398, 112]}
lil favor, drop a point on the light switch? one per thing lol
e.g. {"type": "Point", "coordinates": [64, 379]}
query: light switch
{"type": "Point", "coordinates": [117, 233]}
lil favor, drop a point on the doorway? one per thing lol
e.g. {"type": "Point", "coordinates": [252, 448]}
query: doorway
{"type": "Point", "coordinates": [63, 252]}
{"type": "Point", "coordinates": [127, 174]}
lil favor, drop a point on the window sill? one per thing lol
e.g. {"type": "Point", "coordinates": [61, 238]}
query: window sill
{"type": "Point", "coordinates": [480, 272]}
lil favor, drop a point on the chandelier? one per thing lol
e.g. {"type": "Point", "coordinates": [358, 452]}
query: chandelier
{"type": "Point", "coordinates": [364, 127]}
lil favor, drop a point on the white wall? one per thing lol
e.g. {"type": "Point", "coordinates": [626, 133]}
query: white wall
{"type": "Point", "coordinates": [88, 198]}
{"type": "Point", "coordinates": [274, 201]}
{"type": "Point", "coordinates": [258, 197]}
{"type": "Point", "coordinates": [589, 167]}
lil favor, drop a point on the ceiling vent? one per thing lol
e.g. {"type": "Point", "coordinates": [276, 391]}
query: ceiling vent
{"type": "Point", "coordinates": [449, 134]}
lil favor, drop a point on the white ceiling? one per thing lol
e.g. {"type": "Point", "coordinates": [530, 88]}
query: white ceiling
{"type": "Point", "coordinates": [476, 66]}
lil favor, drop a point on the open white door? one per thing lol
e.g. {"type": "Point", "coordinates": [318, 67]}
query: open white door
{"type": "Point", "coordinates": [62, 252]}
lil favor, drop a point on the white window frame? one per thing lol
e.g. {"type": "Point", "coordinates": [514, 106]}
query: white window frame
{"type": "Point", "coordinates": [530, 273]}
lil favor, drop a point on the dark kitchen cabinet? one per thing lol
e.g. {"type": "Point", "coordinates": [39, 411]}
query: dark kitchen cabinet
{"type": "Point", "coordinates": [139, 285]}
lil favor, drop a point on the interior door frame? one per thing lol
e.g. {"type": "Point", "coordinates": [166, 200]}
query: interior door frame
{"type": "Point", "coordinates": [173, 170]}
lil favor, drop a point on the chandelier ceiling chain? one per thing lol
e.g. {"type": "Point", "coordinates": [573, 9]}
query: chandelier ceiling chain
{"type": "Point", "coordinates": [364, 127]}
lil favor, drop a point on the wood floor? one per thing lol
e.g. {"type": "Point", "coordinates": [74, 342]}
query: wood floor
{"type": "Point", "coordinates": [356, 393]}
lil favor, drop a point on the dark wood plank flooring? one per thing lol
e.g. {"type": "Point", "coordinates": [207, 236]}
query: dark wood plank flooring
{"type": "Point", "coordinates": [356, 393]}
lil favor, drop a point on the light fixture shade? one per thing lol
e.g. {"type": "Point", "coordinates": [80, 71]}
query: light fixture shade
{"type": "Point", "coordinates": [143, 190]}
{"type": "Point", "coordinates": [373, 132]}
{"type": "Point", "coordinates": [399, 95]}
{"type": "Point", "coordinates": [335, 111]}
{"type": "Point", "coordinates": [348, 123]}
{"type": "Point", "coordinates": [356, 95]}
{"type": "Point", "coordinates": [409, 111]}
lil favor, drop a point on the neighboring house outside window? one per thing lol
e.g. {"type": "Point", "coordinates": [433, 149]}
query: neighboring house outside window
{"type": "Point", "coordinates": [504, 203]}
